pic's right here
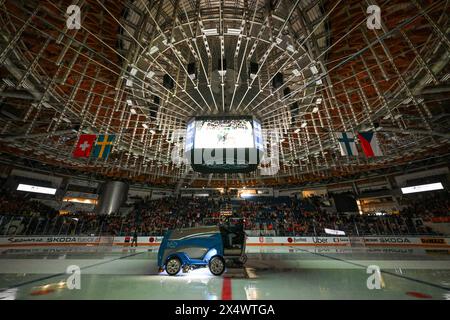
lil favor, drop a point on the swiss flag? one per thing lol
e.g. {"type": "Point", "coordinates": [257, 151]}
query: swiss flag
{"type": "Point", "coordinates": [84, 146]}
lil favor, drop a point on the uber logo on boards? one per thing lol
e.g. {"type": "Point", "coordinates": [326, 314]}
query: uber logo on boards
{"type": "Point", "coordinates": [74, 280]}
{"type": "Point", "coordinates": [320, 240]}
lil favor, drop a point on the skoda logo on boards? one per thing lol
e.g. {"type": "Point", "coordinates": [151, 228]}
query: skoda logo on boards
{"type": "Point", "coordinates": [395, 240]}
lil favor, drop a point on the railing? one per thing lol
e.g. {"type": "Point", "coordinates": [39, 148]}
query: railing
{"type": "Point", "coordinates": [382, 226]}
{"type": "Point", "coordinates": [59, 226]}
{"type": "Point", "coordinates": [17, 225]}
{"type": "Point", "coordinates": [275, 233]}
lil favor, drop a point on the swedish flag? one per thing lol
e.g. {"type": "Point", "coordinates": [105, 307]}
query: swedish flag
{"type": "Point", "coordinates": [103, 146]}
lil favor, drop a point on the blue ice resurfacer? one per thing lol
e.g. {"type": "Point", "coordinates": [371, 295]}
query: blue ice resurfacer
{"type": "Point", "coordinates": [191, 248]}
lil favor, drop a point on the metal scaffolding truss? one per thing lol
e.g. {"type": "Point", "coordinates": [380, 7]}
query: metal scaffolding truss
{"type": "Point", "coordinates": [141, 69]}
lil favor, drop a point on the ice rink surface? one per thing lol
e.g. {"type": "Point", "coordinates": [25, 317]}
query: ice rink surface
{"type": "Point", "coordinates": [272, 273]}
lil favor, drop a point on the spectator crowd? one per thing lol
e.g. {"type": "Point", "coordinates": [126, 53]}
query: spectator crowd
{"type": "Point", "coordinates": [281, 216]}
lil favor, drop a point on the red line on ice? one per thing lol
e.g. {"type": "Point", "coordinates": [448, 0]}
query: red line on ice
{"type": "Point", "coordinates": [226, 289]}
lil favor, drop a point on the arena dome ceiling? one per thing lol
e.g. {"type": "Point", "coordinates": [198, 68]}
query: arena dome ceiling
{"type": "Point", "coordinates": [128, 71]}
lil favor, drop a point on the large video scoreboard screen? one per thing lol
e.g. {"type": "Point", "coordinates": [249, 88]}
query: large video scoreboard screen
{"type": "Point", "coordinates": [223, 134]}
{"type": "Point", "coordinates": [235, 142]}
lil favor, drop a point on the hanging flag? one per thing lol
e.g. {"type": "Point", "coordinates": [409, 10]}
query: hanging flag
{"type": "Point", "coordinates": [347, 143]}
{"type": "Point", "coordinates": [84, 146]}
{"type": "Point", "coordinates": [103, 146]}
{"type": "Point", "coordinates": [369, 144]}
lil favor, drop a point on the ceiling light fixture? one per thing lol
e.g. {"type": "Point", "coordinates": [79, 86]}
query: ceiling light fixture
{"type": "Point", "coordinates": [290, 48]}
{"type": "Point", "coordinates": [153, 50]}
{"type": "Point", "coordinates": [210, 32]}
{"type": "Point", "coordinates": [314, 70]}
{"type": "Point", "coordinates": [233, 31]}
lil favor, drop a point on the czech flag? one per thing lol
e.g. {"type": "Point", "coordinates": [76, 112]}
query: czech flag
{"type": "Point", "coordinates": [84, 146]}
{"type": "Point", "coordinates": [369, 144]}
{"type": "Point", "coordinates": [103, 146]}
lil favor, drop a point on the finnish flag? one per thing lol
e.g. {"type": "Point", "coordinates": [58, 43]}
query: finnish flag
{"type": "Point", "coordinates": [347, 143]}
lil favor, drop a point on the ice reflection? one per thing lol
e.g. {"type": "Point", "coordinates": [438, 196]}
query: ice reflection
{"type": "Point", "coordinates": [8, 294]}
{"type": "Point", "coordinates": [48, 288]}
{"type": "Point", "coordinates": [252, 292]}
{"type": "Point", "coordinates": [199, 281]}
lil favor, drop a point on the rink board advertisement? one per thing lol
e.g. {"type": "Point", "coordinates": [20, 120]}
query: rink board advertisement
{"type": "Point", "coordinates": [384, 241]}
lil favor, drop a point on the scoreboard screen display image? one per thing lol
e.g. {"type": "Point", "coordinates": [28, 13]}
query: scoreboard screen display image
{"type": "Point", "coordinates": [257, 133]}
{"type": "Point", "coordinates": [190, 132]}
{"type": "Point", "coordinates": [223, 134]}
{"type": "Point", "coordinates": [235, 143]}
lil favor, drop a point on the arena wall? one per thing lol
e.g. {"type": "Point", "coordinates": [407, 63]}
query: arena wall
{"type": "Point", "coordinates": [152, 241]}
